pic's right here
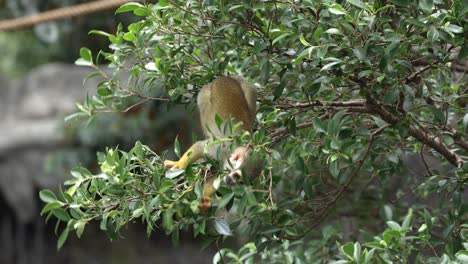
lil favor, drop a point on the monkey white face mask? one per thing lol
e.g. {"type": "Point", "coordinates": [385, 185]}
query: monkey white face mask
{"type": "Point", "coordinates": [234, 165]}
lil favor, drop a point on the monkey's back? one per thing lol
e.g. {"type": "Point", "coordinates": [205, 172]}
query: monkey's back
{"type": "Point", "coordinates": [224, 97]}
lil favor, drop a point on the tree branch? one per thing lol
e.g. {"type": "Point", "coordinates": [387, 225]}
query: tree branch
{"type": "Point", "coordinates": [415, 74]}
{"type": "Point", "coordinates": [285, 130]}
{"type": "Point", "coordinates": [289, 105]}
{"type": "Point", "coordinates": [372, 106]}
{"type": "Point", "coordinates": [420, 133]}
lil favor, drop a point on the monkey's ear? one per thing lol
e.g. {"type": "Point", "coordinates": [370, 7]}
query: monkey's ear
{"type": "Point", "coordinates": [237, 155]}
{"type": "Point", "coordinates": [237, 159]}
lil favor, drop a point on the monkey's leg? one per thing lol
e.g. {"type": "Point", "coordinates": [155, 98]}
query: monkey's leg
{"type": "Point", "coordinates": [208, 191]}
{"type": "Point", "coordinates": [194, 153]}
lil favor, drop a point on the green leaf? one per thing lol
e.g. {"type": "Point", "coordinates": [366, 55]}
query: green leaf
{"type": "Point", "coordinates": [428, 221]}
{"type": "Point", "coordinates": [453, 28]}
{"type": "Point", "coordinates": [319, 125]}
{"type": "Point", "coordinates": [438, 114]}
{"type": "Point", "coordinates": [80, 173]}
{"type": "Point", "coordinates": [129, 36]}
{"type": "Point", "coordinates": [465, 122]}
{"type": "Point", "coordinates": [279, 89]}
{"type": "Point", "coordinates": [463, 54]}
{"type": "Point", "coordinates": [394, 225]}
{"type": "Point", "coordinates": [163, 3]}
{"type": "Point", "coordinates": [415, 22]}
{"type": "Point", "coordinates": [225, 200]}
{"type": "Point", "coordinates": [173, 173]}
{"type": "Point", "coordinates": [303, 41]}
{"type": "Point", "coordinates": [390, 234]}
{"type": "Point", "coordinates": [218, 121]}
{"type": "Point", "coordinates": [292, 125]}
{"type": "Point", "coordinates": [334, 168]}
{"type": "Point", "coordinates": [129, 7]}
{"type": "Point", "coordinates": [47, 196]}
{"type": "Point", "coordinates": [433, 34]}
{"type": "Point", "coordinates": [199, 190]}
{"type": "Point", "coordinates": [337, 9]}
{"type": "Point", "coordinates": [305, 53]}
{"type": "Point", "coordinates": [374, 245]}
{"type": "Point", "coordinates": [462, 256]}
{"type": "Point", "coordinates": [222, 227]}
{"type": "Point", "coordinates": [167, 221]}
{"type": "Point", "coordinates": [61, 214]}
{"type": "Point", "coordinates": [348, 250]}
{"type": "Point", "coordinates": [79, 227]}
{"type": "Point", "coordinates": [50, 206]}
{"type": "Point", "coordinates": [407, 221]}
{"type": "Point", "coordinates": [426, 5]}
{"type": "Point", "coordinates": [280, 37]}
{"type": "Point", "coordinates": [392, 48]}
{"type": "Point", "coordinates": [265, 71]}
{"type": "Point", "coordinates": [360, 53]}
{"type": "Point", "coordinates": [251, 200]}
{"type": "Point", "coordinates": [82, 62]}
{"type": "Point", "coordinates": [141, 12]}
{"type": "Point", "coordinates": [329, 65]}
{"type": "Point", "coordinates": [199, 228]}
{"type": "Point", "coordinates": [357, 252]}
{"type": "Point", "coordinates": [369, 256]}
{"type": "Point", "coordinates": [317, 33]}
{"type": "Point", "coordinates": [177, 147]}
{"type": "Point", "coordinates": [194, 206]}
{"type": "Point", "coordinates": [307, 187]}
{"type": "Point", "coordinates": [391, 96]}
{"type": "Point", "coordinates": [175, 237]}
{"type": "Point", "coordinates": [358, 3]}
{"type": "Point", "coordinates": [86, 55]}
{"type": "Point", "coordinates": [138, 212]}
{"type": "Point", "coordinates": [62, 238]}
{"type": "Point", "coordinates": [74, 116]}
{"type": "Point", "coordinates": [333, 31]}
{"type": "Point", "coordinates": [99, 32]}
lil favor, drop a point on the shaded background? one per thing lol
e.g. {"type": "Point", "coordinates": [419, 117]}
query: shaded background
{"type": "Point", "coordinates": [39, 87]}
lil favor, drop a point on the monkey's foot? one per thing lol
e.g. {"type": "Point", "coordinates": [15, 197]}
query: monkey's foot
{"type": "Point", "coordinates": [205, 204]}
{"type": "Point", "coordinates": [175, 164]}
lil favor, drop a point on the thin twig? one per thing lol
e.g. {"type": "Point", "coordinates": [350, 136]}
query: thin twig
{"type": "Point", "coordinates": [296, 105]}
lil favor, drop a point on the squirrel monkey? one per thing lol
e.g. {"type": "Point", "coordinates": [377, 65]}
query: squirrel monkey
{"type": "Point", "coordinates": [227, 97]}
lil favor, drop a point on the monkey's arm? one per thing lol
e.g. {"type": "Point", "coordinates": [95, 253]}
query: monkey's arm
{"type": "Point", "coordinates": [208, 191]}
{"type": "Point", "coordinates": [194, 153]}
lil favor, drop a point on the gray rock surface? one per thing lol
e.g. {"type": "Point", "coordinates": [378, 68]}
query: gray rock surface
{"type": "Point", "coordinates": [30, 113]}
{"type": "Point", "coordinates": [31, 110]}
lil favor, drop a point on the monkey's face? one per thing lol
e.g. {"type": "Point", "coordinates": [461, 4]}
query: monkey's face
{"type": "Point", "coordinates": [234, 165]}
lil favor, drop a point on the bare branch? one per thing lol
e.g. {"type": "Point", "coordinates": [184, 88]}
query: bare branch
{"type": "Point", "coordinates": [415, 74]}
{"type": "Point", "coordinates": [285, 130]}
{"type": "Point", "coordinates": [289, 105]}
{"type": "Point", "coordinates": [374, 107]}
{"type": "Point", "coordinates": [420, 133]}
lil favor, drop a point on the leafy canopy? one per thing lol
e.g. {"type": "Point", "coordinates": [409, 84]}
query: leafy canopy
{"type": "Point", "coordinates": [348, 90]}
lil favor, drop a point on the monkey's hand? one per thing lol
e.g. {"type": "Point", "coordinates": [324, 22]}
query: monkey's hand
{"type": "Point", "coordinates": [205, 204]}
{"type": "Point", "coordinates": [180, 164]}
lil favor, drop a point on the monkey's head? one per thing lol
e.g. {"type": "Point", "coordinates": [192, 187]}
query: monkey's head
{"type": "Point", "coordinates": [234, 165]}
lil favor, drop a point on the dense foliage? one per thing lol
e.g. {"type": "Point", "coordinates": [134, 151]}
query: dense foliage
{"type": "Point", "coordinates": [351, 94]}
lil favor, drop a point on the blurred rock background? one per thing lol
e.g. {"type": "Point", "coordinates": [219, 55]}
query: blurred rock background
{"type": "Point", "coordinates": [39, 87]}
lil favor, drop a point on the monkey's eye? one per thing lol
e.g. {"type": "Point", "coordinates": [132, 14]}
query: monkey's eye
{"type": "Point", "coordinates": [228, 180]}
{"type": "Point", "coordinates": [236, 175]}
